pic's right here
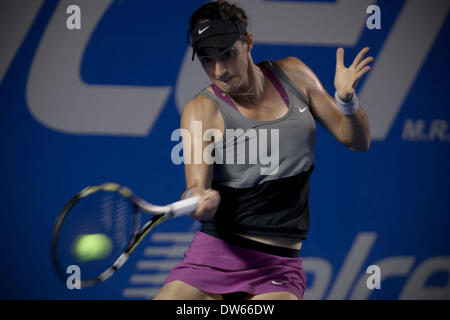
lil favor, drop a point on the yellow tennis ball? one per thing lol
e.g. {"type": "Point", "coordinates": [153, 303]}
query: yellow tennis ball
{"type": "Point", "coordinates": [92, 246]}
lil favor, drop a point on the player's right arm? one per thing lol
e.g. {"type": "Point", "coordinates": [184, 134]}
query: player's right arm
{"type": "Point", "coordinates": [200, 112]}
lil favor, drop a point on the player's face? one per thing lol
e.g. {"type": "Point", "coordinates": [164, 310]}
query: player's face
{"type": "Point", "coordinates": [227, 69]}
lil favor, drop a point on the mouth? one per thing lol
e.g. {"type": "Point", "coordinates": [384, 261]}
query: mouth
{"type": "Point", "coordinates": [225, 81]}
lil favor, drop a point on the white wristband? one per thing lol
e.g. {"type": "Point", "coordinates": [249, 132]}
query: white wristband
{"type": "Point", "coordinates": [188, 193]}
{"type": "Point", "coordinates": [349, 107]}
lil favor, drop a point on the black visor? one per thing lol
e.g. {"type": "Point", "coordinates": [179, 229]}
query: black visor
{"type": "Point", "coordinates": [216, 34]}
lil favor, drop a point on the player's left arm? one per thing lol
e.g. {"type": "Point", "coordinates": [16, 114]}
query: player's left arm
{"type": "Point", "coordinates": [353, 130]}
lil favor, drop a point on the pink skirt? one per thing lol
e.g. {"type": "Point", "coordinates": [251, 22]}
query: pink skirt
{"type": "Point", "coordinates": [215, 266]}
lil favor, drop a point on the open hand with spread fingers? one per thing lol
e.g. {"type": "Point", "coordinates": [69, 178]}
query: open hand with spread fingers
{"type": "Point", "coordinates": [346, 79]}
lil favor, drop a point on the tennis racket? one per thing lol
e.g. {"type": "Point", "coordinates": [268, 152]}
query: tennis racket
{"type": "Point", "coordinates": [100, 227]}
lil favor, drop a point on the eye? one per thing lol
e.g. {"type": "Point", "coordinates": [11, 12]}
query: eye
{"type": "Point", "coordinates": [205, 60]}
{"type": "Point", "coordinates": [227, 55]}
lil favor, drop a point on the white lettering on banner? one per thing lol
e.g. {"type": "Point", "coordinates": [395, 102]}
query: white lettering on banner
{"type": "Point", "coordinates": [438, 128]}
{"type": "Point", "coordinates": [414, 130]}
{"type": "Point", "coordinates": [59, 99]}
{"type": "Point", "coordinates": [164, 258]}
{"type": "Point", "coordinates": [416, 288]}
{"type": "Point", "coordinates": [352, 264]}
{"type": "Point", "coordinates": [165, 251]}
{"type": "Point", "coordinates": [321, 24]}
{"type": "Point", "coordinates": [386, 86]}
{"type": "Point", "coordinates": [322, 271]}
{"type": "Point", "coordinates": [16, 20]}
{"type": "Point", "coordinates": [392, 76]}
{"type": "Point", "coordinates": [74, 20]}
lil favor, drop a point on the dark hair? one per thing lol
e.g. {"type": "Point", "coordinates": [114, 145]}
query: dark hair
{"type": "Point", "coordinates": [217, 10]}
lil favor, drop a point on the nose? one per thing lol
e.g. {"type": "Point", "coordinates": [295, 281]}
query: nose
{"type": "Point", "coordinates": [220, 69]}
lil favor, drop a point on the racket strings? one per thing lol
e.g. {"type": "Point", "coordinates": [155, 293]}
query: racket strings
{"type": "Point", "coordinates": [106, 222]}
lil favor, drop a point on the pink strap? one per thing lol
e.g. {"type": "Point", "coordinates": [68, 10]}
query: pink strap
{"type": "Point", "coordinates": [276, 83]}
{"type": "Point", "coordinates": [269, 74]}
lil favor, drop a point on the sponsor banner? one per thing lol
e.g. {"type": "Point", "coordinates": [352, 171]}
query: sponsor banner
{"type": "Point", "coordinates": [92, 91]}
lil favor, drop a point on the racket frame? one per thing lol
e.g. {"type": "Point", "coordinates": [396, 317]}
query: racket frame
{"type": "Point", "coordinates": [160, 214]}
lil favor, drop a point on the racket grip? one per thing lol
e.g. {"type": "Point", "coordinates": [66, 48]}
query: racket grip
{"type": "Point", "coordinates": [183, 207]}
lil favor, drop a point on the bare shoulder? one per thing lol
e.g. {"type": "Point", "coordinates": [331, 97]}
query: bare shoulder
{"type": "Point", "coordinates": [300, 73]}
{"type": "Point", "coordinates": [292, 64]}
{"type": "Point", "coordinates": [199, 106]}
{"type": "Point", "coordinates": [204, 109]}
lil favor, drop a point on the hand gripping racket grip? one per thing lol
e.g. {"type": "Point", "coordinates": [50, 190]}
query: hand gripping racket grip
{"type": "Point", "coordinates": [183, 207]}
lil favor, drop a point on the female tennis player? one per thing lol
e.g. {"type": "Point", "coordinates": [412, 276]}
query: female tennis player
{"type": "Point", "coordinates": [254, 217]}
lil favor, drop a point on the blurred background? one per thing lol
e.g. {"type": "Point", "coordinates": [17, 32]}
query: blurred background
{"type": "Point", "coordinates": [99, 103]}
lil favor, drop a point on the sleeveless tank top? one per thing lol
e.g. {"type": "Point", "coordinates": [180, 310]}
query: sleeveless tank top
{"type": "Point", "coordinates": [262, 168]}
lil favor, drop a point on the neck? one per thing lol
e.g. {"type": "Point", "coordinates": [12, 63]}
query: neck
{"type": "Point", "coordinates": [251, 92]}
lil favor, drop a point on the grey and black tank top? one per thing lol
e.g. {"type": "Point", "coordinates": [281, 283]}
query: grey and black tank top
{"type": "Point", "coordinates": [262, 168]}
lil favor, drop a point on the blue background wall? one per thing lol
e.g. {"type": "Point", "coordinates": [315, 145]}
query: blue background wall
{"type": "Point", "coordinates": [388, 206]}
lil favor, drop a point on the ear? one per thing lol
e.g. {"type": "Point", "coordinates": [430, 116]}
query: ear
{"type": "Point", "coordinates": [250, 41]}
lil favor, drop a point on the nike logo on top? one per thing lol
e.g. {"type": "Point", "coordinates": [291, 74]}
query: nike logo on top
{"type": "Point", "coordinates": [200, 31]}
{"type": "Point", "coordinates": [302, 110]}
{"type": "Point", "coordinates": [278, 282]}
